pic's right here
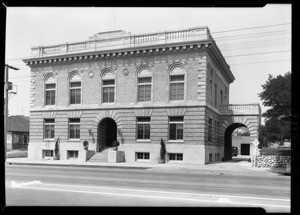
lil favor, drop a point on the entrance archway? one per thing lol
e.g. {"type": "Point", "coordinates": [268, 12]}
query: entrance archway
{"type": "Point", "coordinates": [228, 140]}
{"type": "Point", "coordinates": [107, 132]}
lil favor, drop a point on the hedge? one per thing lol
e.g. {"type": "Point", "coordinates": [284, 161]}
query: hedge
{"type": "Point", "coordinates": [284, 151]}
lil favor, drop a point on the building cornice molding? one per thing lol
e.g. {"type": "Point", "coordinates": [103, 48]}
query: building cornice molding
{"type": "Point", "coordinates": [110, 54]}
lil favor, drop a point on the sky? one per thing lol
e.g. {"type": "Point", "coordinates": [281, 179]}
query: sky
{"type": "Point", "coordinates": [255, 42]}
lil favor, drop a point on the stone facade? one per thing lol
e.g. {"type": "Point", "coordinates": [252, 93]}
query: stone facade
{"type": "Point", "coordinates": [206, 91]}
{"type": "Point", "coordinates": [273, 160]}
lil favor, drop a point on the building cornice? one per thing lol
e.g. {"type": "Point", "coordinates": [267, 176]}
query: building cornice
{"type": "Point", "coordinates": [99, 55]}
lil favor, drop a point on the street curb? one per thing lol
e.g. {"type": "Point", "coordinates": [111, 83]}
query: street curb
{"type": "Point", "coordinates": [79, 165]}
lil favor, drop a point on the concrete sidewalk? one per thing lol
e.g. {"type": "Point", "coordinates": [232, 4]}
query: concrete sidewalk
{"type": "Point", "coordinates": [234, 167]}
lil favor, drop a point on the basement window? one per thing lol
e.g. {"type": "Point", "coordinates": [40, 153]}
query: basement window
{"type": "Point", "coordinates": [72, 154]}
{"type": "Point", "coordinates": [142, 155]}
{"type": "Point", "coordinates": [47, 153]}
{"type": "Point", "coordinates": [175, 157]}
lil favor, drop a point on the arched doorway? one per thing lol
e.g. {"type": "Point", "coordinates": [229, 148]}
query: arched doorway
{"type": "Point", "coordinates": [228, 140]}
{"type": "Point", "coordinates": [107, 132]}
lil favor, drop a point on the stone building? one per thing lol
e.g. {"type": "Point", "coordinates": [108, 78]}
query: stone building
{"type": "Point", "coordinates": [136, 89]}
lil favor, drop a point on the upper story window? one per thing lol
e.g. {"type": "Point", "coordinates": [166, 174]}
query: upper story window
{"type": "Point", "coordinates": [108, 87]}
{"type": "Point", "coordinates": [221, 96]}
{"type": "Point", "coordinates": [50, 87]}
{"type": "Point", "coordinates": [144, 85]}
{"type": "Point", "coordinates": [177, 83]}
{"type": "Point", "coordinates": [75, 89]}
{"type": "Point", "coordinates": [209, 130]}
{"type": "Point", "coordinates": [49, 128]}
{"type": "Point", "coordinates": [225, 95]}
{"type": "Point", "coordinates": [216, 96]}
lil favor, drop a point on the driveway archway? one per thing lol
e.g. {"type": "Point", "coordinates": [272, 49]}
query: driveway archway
{"type": "Point", "coordinates": [228, 139]}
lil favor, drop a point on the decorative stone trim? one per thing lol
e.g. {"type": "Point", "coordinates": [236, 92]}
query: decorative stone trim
{"type": "Point", "coordinates": [107, 114]}
{"type": "Point", "coordinates": [143, 112]}
{"type": "Point", "coordinates": [49, 115]}
{"type": "Point", "coordinates": [74, 114]}
{"type": "Point", "coordinates": [176, 111]}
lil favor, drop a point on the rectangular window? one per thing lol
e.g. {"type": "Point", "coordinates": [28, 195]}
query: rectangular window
{"type": "Point", "coordinates": [211, 93]}
{"type": "Point", "coordinates": [72, 154]}
{"type": "Point", "coordinates": [143, 128]}
{"type": "Point", "coordinates": [221, 96]}
{"type": "Point", "coordinates": [142, 155]}
{"type": "Point", "coordinates": [216, 96]}
{"type": "Point", "coordinates": [47, 153]}
{"type": "Point", "coordinates": [175, 156]}
{"type": "Point", "coordinates": [177, 87]}
{"type": "Point", "coordinates": [210, 158]}
{"type": "Point", "coordinates": [217, 157]}
{"type": "Point", "coordinates": [49, 128]}
{"type": "Point", "coordinates": [225, 95]}
{"type": "Point", "coordinates": [25, 139]}
{"type": "Point", "coordinates": [75, 92]}
{"type": "Point", "coordinates": [176, 128]}
{"type": "Point", "coordinates": [50, 94]}
{"type": "Point", "coordinates": [74, 128]}
{"type": "Point", "coordinates": [216, 130]}
{"type": "Point", "coordinates": [209, 130]}
{"type": "Point", "coordinates": [144, 89]}
{"type": "Point", "coordinates": [108, 91]}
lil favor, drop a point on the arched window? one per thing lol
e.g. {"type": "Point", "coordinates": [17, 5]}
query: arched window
{"type": "Point", "coordinates": [75, 89]}
{"type": "Point", "coordinates": [50, 87]}
{"type": "Point", "coordinates": [108, 87]}
{"type": "Point", "coordinates": [177, 83]}
{"type": "Point", "coordinates": [144, 85]}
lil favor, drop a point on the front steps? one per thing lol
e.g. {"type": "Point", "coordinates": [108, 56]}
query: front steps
{"type": "Point", "coordinates": [101, 157]}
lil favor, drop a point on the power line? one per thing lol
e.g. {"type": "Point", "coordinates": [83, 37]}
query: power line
{"type": "Point", "coordinates": [216, 32]}
{"type": "Point", "coordinates": [255, 27]}
{"type": "Point", "coordinates": [266, 32]}
{"type": "Point", "coordinates": [259, 46]}
{"type": "Point", "coordinates": [257, 53]}
{"type": "Point", "coordinates": [257, 62]}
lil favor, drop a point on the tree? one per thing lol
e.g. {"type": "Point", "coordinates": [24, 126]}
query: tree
{"type": "Point", "coordinates": [276, 94]}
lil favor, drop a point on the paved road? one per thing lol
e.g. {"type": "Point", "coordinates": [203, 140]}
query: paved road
{"type": "Point", "coordinates": [94, 186]}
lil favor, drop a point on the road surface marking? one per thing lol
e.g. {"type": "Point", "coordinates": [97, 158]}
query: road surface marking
{"type": "Point", "coordinates": [221, 200]}
{"type": "Point", "coordinates": [224, 200]}
{"type": "Point", "coordinates": [167, 192]}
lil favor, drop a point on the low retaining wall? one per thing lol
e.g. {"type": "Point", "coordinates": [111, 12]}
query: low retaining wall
{"type": "Point", "coordinates": [16, 154]}
{"type": "Point", "coordinates": [273, 160]}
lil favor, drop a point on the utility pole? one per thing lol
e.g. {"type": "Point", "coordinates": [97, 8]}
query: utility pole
{"type": "Point", "coordinates": [6, 105]}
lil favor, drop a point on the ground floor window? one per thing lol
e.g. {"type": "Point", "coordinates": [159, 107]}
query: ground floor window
{"type": "Point", "coordinates": [142, 155]}
{"type": "Point", "coordinates": [175, 156]}
{"type": "Point", "coordinates": [143, 128]}
{"type": "Point", "coordinates": [217, 157]}
{"type": "Point", "coordinates": [176, 128]}
{"type": "Point", "coordinates": [210, 158]}
{"type": "Point", "coordinates": [72, 154]}
{"type": "Point", "coordinates": [47, 153]}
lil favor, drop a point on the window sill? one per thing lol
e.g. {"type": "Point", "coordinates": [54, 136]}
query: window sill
{"type": "Point", "coordinates": [73, 140]}
{"type": "Point", "coordinates": [143, 141]}
{"type": "Point", "coordinates": [143, 160]}
{"type": "Point", "coordinates": [48, 139]}
{"type": "Point", "coordinates": [175, 161]}
{"type": "Point", "coordinates": [175, 141]}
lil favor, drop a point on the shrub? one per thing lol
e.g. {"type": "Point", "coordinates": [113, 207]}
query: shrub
{"type": "Point", "coordinates": [162, 149]}
{"type": "Point", "coordinates": [276, 151]}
